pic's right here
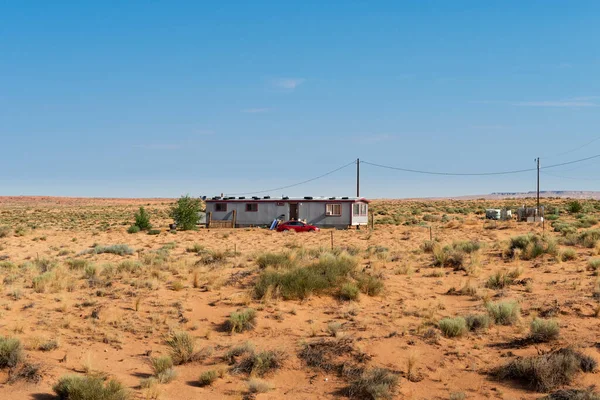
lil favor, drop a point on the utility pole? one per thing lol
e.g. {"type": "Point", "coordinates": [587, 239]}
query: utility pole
{"type": "Point", "coordinates": [357, 177]}
{"type": "Point", "coordinates": [538, 187]}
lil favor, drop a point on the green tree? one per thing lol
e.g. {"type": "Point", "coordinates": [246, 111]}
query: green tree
{"type": "Point", "coordinates": [142, 220]}
{"type": "Point", "coordinates": [185, 212]}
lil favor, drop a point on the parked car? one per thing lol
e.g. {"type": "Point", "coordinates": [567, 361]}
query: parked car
{"type": "Point", "coordinates": [297, 226]}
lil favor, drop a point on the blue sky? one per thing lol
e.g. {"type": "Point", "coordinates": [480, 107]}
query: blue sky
{"type": "Point", "coordinates": [163, 98]}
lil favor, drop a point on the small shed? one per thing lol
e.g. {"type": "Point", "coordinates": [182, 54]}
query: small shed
{"type": "Point", "coordinates": [530, 214]}
{"type": "Point", "coordinates": [324, 212]}
{"type": "Point", "coordinates": [498, 214]}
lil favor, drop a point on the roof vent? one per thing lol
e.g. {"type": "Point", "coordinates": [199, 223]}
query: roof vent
{"type": "Point", "coordinates": [231, 198]}
{"type": "Point", "coordinates": [285, 198]}
{"type": "Point", "coordinates": [255, 198]}
{"type": "Point", "coordinates": [345, 198]}
{"type": "Point", "coordinates": [332, 198]}
{"type": "Point", "coordinates": [267, 197]}
{"type": "Point", "coordinates": [308, 198]}
{"type": "Point", "coordinates": [241, 198]}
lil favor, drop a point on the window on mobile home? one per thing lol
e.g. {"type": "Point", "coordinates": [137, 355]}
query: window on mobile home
{"type": "Point", "coordinates": [334, 210]}
{"type": "Point", "coordinates": [359, 209]}
{"type": "Point", "coordinates": [251, 206]}
{"type": "Point", "coordinates": [220, 207]}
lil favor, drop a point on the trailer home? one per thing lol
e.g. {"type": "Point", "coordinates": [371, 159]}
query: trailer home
{"type": "Point", "coordinates": [324, 212]}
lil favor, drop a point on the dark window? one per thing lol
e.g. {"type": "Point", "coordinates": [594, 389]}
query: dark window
{"type": "Point", "coordinates": [333, 210]}
{"type": "Point", "coordinates": [251, 206]}
{"type": "Point", "coordinates": [219, 207]}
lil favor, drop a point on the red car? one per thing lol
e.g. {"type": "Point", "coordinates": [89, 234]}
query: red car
{"type": "Point", "coordinates": [297, 226]}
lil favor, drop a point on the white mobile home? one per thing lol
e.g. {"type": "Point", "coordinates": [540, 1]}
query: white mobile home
{"type": "Point", "coordinates": [326, 212]}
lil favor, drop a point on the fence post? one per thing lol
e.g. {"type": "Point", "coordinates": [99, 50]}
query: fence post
{"type": "Point", "coordinates": [331, 240]}
{"type": "Point", "coordinates": [233, 218]}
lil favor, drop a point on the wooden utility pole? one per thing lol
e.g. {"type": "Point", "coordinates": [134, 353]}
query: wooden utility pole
{"type": "Point", "coordinates": [538, 187]}
{"type": "Point", "coordinates": [357, 177]}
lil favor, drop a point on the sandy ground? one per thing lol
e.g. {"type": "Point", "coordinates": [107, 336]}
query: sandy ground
{"type": "Point", "coordinates": [98, 328]}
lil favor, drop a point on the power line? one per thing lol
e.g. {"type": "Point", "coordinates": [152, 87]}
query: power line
{"type": "Point", "coordinates": [416, 171]}
{"type": "Point", "coordinates": [571, 177]}
{"type": "Point", "coordinates": [518, 171]}
{"type": "Point", "coordinates": [298, 183]}
{"type": "Point", "coordinates": [573, 150]}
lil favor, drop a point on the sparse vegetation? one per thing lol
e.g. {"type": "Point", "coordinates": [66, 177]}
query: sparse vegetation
{"type": "Point", "coordinates": [11, 352]}
{"type": "Point", "coordinates": [74, 387]}
{"type": "Point", "coordinates": [544, 330]}
{"type": "Point", "coordinates": [182, 347]}
{"type": "Point", "coordinates": [547, 371]}
{"type": "Point", "coordinates": [119, 249]}
{"type": "Point", "coordinates": [375, 384]}
{"type": "Point", "coordinates": [260, 364]}
{"type": "Point", "coordinates": [163, 369]}
{"type": "Point", "coordinates": [241, 321]}
{"type": "Point", "coordinates": [453, 327]}
{"type": "Point", "coordinates": [504, 313]}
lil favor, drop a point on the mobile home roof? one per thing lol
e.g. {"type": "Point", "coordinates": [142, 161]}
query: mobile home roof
{"type": "Point", "coordinates": [288, 199]}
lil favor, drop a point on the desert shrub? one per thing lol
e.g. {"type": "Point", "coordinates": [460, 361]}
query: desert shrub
{"type": "Point", "coordinates": [7, 265]}
{"type": "Point", "coordinates": [41, 282]}
{"type": "Point", "coordinates": [77, 263]}
{"type": "Point", "coordinates": [142, 220]}
{"type": "Point", "coordinates": [453, 327]}
{"type": "Point", "coordinates": [477, 322]}
{"type": "Point", "coordinates": [4, 231]}
{"type": "Point", "coordinates": [504, 313]}
{"type": "Point", "coordinates": [586, 222]}
{"type": "Point", "coordinates": [276, 260]}
{"type": "Point", "coordinates": [432, 218]}
{"type": "Point", "coordinates": [258, 386]}
{"type": "Point", "coordinates": [208, 377]}
{"type": "Point", "coordinates": [369, 284]}
{"type": "Point", "coordinates": [573, 394]}
{"type": "Point", "coordinates": [349, 291]}
{"type": "Point", "coordinates": [11, 352]}
{"type": "Point", "coordinates": [594, 265]}
{"type": "Point", "coordinates": [163, 368]}
{"type": "Point", "coordinates": [119, 249]}
{"type": "Point", "coordinates": [589, 238]}
{"type": "Point", "coordinates": [27, 372]}
{"type": "Point", "coordinates": [154, 232]}
{"type": "Point", "coordinates": [48, 345]}
{"type": "Point", "coordinates": [543, 330]}
{"type": "Point", "coordinates": [448, 257]}
{"type": "Point", "coordinates": [429, 245]}
{"type": "Point", "coordinates": [233, 353]}
{"type": "Point", "coordinates": [375, 384]}
{"type": "Point", "coordinates": [574, 207]}
{"type": "Point", "coordinates": [568, 255]}
{"type": "Point", "coordinates": [186, 212]}
{"type": "Point", "coordinates": [502, 279]}
{"type": "Point", "coordinates": [327, 274]}
{"type": "Point", "coordinates": [457, 396]}
{"type": "Point", "coordinates": [532, 246]}
{"type": "Point", "coordinates": [552, 217]}
{"type": "Point", "coordinates": [241, 321]}
{"type": "Point", "coordinates": [133, 229]}
{"type": "Point", "coordinates": [260, 364]}
{"type": "Point", "coordinates": [182, 347]}
{"type": "Point", "coordinates": [563, 228]}
{"type": "Point", "coordinates": [129, 266]}
{"type": "Point", "coordinates": [74, 387]}
{"type": "Point", "coordinates": [547, 371]}
{"type": "Point", "coordinates": [467, 246]}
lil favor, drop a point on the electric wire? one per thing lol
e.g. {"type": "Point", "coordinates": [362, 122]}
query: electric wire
{"type": "Point", "coordinates": [296, 184]}
{"type": "Point", "coordinates": [518, 171]}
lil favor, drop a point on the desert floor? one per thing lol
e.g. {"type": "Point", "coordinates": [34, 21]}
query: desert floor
{"type": "Point", "coordinates": [78, 312]}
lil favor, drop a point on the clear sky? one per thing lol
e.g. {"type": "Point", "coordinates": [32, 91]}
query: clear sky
{"type": "Point", "coordinates": [163, 98]}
